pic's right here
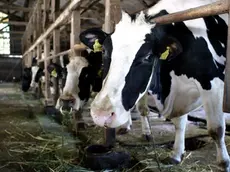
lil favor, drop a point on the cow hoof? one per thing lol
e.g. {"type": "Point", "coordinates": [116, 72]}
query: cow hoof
{"type": "Point", "coordinates": [168, 120]}
{"type": "Point", "coordinates": [81, 126]}
{"type": "Point", "coordinates": [148, 138]}
{"type": "Point", "coordinates": [170, 161]}
{"type": "Point", "coordinates": [122, 131]}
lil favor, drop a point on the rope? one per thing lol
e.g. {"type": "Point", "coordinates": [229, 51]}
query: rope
{"type": "Point", "coordinates": [154, 146]}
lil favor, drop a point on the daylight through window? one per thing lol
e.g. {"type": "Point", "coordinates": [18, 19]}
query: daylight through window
{"type": "Point", "coordinates": [4, 34]}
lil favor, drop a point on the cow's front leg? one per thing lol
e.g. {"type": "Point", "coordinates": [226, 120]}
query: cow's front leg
{"type": "Point", "coordinates": [126, 127]}
{"type": "Point", "coordinates": [179, 143]}
{"type": "Point", "coordinates": [142, 106]}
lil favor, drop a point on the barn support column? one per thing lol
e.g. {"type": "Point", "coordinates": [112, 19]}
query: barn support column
{"type": "Point", "coordinates": [112, 17]}
{"type": "Point", "coordinates": [74, 39]}
{"type": "Point", "coordinates": [56, 44]}
{"type": "Point", "coordinates": [48, 100]}
{"type": "Point", "coordinates": [75, 31]}
{"type": "Point", "coordinates": [39, 54]}
{"type": "Point", "coordinates": [226, 101]}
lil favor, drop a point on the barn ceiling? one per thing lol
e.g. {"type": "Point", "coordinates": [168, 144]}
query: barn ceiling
{"type": "Point", "coordinates": [20, 10]}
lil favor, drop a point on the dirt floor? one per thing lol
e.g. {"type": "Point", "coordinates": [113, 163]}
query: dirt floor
{"type": "Point", "coordinates": [32, 141]}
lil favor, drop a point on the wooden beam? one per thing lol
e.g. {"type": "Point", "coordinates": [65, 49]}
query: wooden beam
{"type": "Point", "coordinates": [15, 7]}
{"type": "Point", "coordinates": [112, 17]}
{"type": "Point", "coordinates": [16, 23]}
{"type": "Point", "coordinates": [46, 43]}
{"type": "Point", "coordinates": [58, 21]}
{"type": "Point", "coordinates": [13, 32]}
{"type": "Point", "coordinates": [77, 47]}
{"type": "Point", "coordinates": [216, 8]}
{"type": "Point", "coordinates": [75, 30]}
{"type": "Point", "coordinates": [39, 18]}
{"type": "Point", "coordinates": [55, 6]}
{"type": "Point", "coordinates": [226, 99]}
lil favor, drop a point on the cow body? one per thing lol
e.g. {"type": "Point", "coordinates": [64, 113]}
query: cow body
{"type": "Point", "coordinates": [181, 65]}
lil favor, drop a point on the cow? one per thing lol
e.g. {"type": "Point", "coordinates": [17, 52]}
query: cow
{"type": "Point", "coordinates": [59, 71]}
{"type": "Point", "coordinates": [181, 65]}
{"type": "Point", "coordinates": [83, 76]}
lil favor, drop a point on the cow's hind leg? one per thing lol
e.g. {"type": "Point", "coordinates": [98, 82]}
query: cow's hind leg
{"type": "Point", "coordinates": [212, 101]}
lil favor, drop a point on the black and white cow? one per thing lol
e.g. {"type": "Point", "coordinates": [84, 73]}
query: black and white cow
{"type": "Point", "coordinates": [181, 65]}
{"type": "Point", "coordinates": [83, 75]}
{"type": "Point", "coordinates": [31, 76]}
{"type": "Point", "coordinates": [59, 71]}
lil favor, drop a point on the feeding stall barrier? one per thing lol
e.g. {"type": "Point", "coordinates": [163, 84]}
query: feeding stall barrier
{"type": "Point", "coordinates": [35, 39]}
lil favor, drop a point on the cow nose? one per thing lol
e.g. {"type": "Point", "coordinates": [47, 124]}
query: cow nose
{"type": "Point", "coordinates": [109, 120]}
{"type": "Point", "coordinates": [67, 103]}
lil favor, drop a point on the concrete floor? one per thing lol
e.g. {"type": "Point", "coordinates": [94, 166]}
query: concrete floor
{"type": "Point", "coordinates": [31, 141]}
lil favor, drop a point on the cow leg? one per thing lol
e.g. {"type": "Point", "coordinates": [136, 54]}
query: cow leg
{"type": "Point", "coordinates": [179, 143]}
{"type": "Point", "coordinates": [142, 107]}
{"type": "Point", "coordinates": [212, 101]}
{"type": "Point", "coordinates": [126, 127]}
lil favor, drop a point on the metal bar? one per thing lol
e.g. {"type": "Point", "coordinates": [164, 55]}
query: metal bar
{"type": "Point", "coordinates": [216, 8]}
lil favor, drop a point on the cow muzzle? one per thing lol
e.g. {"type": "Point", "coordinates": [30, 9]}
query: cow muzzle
{"type": "Point", "coordinates": [66, 104]}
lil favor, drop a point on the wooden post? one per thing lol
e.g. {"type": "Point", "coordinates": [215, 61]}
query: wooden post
{"type": "Point", "coordinates": [75, 30]}
{"type": "Point", "coordinates": [112, 17]}
{"type": "Point", "coordinates": [39, 54]}
{"type": "Point", "coordinates": [29, 60]}
{"type": "Point", "coordinates": [226, 100]}
{"type": "Point", "coordinates": [39, 18]}
{"type": "Point", "coordinates": [56, 43]}
{"type": "Point", "coordinates": [47, 76]}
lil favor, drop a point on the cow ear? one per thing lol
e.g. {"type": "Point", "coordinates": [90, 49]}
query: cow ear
{"type": "Point", "coordinates": [92, 36]}
{"type": "Point", "coordinates": [170, 48]}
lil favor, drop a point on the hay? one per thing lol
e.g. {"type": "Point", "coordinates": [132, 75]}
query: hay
{"type": "Point", "coordinates": [40, 152]}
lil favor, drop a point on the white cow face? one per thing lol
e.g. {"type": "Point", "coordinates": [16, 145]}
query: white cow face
{"type": "Point", "coordinates": [133, 52]}
{"type": "Point", "coordinates": [73, 81]}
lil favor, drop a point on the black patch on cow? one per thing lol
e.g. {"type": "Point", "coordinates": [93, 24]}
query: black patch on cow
{"type": "Point", "coordinates": [38, 75]}
{"type": "Point", "coordinates": [196, 60]}
{"type": "Point", "coordinates": [138, 76]}
{"type": "Point", "coordinates": [155, 85]}
{"type": "Point", "coordinates": [95, 66]}
{"type": "Point", "coordinates": [215, 24]}
{"type": "Point", "coordinates": [26, 79]}
{"type": "Point", "coordinates": [107, 52]}
{"type": "Point", "coordinates": [84, 84]}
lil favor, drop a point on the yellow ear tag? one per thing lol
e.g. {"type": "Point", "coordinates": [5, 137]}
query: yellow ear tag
{"type": "Point", "coordinates": [99, 73]}
{"type": "Point", "coordinates": [165, 54]}
{"type": "Point", "coordinates": [97, 46]}
{"type": "Point", "coordinates": [54, 73]}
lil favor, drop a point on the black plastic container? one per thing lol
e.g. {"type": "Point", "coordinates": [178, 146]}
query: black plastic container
{"type": "Point", "coordinates": [100, 157]}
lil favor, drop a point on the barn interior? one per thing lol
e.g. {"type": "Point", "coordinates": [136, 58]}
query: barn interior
{"type": "Point", "coordinates": [33, 139]}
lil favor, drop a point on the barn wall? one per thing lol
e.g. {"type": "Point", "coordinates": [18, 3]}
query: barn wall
{"type": "Point", "coordinates": [15, 40]}
{"type": "Point", "coordinates": [9, 68]}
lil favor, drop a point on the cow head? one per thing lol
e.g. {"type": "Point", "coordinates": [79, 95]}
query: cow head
{"type": "Point", "coordinates": [77, 86]}
{"type": "Point", "coordinates": [132, 52]}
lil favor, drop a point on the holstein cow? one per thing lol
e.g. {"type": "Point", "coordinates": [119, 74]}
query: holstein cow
{"type": "Point", "coordinates": [59, 71]}
{"type": "Point", "coordinates": [180, 64]}
{"type": "Point", "coordinates": [31, 76]}
{"type": "Point", "coordinates": [82, 74]}
{"type": "Point", "coordinates": [84, 78]}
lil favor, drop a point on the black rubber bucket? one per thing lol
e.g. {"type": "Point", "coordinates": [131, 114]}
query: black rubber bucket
{"type": "Point", "coordinates": [100, 157]}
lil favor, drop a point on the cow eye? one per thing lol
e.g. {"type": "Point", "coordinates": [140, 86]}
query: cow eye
{"type": "Point", "coordinates": [147, 59]}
